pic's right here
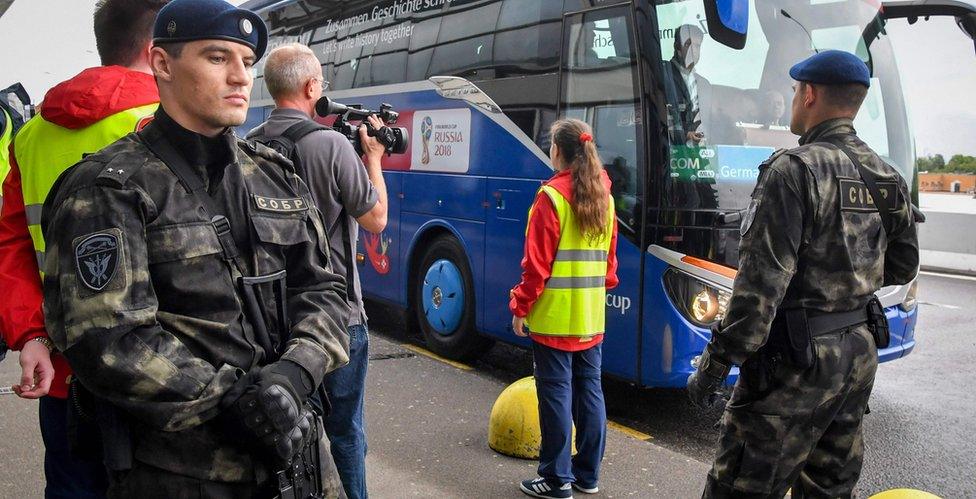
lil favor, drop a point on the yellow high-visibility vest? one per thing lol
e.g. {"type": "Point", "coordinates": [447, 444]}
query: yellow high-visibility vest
{"type": "Point", "coordinates": [573, 302]}
{"type": "Point", "coordinates": [45, 150]}
{"type": "Point", "coordinates": [8, 131]}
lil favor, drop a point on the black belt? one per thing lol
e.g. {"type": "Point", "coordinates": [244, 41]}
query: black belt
{"type": "Point", "coordinates": [830, 322]}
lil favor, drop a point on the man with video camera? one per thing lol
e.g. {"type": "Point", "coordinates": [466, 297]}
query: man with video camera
{"type": "Point", "coordinates": [349, 194]}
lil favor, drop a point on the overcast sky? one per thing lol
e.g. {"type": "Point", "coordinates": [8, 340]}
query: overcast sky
{"type": "Point", "coordinates": [937, 62]}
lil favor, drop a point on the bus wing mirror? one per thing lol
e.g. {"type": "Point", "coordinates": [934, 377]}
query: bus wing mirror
{"type": "Point", "coordinates": [963, 10]}
{"type": "Point", "coordinates": [728, 21]}
{"type": "Point", "coordinates": [967, 24]}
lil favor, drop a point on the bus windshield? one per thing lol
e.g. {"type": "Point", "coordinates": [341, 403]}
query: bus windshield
{"type": "Point", "coordinates": [728, 109]}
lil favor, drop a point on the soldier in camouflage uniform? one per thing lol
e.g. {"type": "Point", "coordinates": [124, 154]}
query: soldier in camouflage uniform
{"type": "Point", "coordinates": [141, 286]}
{"type": "Point", "coordinates": [812, 241]}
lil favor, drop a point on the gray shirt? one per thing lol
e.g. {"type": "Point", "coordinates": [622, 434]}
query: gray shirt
{"type": "Point", "coordinates": [338, 180]}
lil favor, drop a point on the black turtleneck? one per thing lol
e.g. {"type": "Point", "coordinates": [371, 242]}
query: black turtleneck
{"type": "Point", "coordinates": [205, 154]}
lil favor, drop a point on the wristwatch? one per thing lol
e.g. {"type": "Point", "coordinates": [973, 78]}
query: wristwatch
{"type": "Point", "coordinates": [44, 340]}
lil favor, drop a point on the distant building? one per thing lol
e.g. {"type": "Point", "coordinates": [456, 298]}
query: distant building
{"type": "Point", "coordinates": [946, 182]}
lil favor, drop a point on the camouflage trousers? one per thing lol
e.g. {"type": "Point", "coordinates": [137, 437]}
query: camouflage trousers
{"type": "Point", "coordinates": [145, 481]}
{"type": "Point", "coordinates": [148, 482]}
{"type": "Point", "coordinates": [803, 430]}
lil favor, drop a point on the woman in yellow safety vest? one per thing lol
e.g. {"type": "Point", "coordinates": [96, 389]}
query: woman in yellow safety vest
{"type": "Point", "coordinates": [569, 264]}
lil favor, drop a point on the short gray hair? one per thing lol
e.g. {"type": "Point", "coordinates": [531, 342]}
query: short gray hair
{"type": "Point", "coordinates": [288, 67]}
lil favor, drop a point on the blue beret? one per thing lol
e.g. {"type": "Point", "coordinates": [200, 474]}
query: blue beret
{"type": "Point", "coordinates": [832, 67]}
{"type": "Point", "coordinates": [188, 20]}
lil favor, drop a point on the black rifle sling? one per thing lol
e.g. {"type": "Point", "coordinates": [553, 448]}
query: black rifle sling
{"type": "Point", "coordinates": [870, 181]}
{"type": "Point", "coordinates": [192, 182]}
{"type": "Point", "coordinates": [221, 224]}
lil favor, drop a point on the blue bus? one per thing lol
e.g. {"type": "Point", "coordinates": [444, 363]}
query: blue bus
{"type": "Point", "coordinates": [686, 98]}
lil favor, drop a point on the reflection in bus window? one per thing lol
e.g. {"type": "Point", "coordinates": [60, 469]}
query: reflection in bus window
{"type": "Point", "coordinates": [599, 88]}
{"type": "Point", "coordinates": [729, 109]}
{"type": "Point", "coordinates": [689, 93]}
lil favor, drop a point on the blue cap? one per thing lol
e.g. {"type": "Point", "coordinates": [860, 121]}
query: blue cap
{"type": "Point", "coordinates": [188, 20]}
{"type": "Point", "coordinates": [832, 67]}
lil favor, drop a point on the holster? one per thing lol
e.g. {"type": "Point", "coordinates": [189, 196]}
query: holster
{"type": "Point", "coordinates": [758, 371]}
{"type": "Point", "coordinates": [97, 430]}
{"type": "Point", "coordinates": [312, 474]}
{"type": "Point", "coordinates": [878, 323]}
{"type": "Point", "coordinates": [790, 335]}
{"type": "Point", "coordinates": [793, 330]}
{"type": "Point", "coordinates": [790, 340]}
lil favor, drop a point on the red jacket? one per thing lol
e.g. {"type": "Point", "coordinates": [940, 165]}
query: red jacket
{"type": "Point", "coordinates": [541, 242]}
{"type": "Point", "coordinates": [92, 95]}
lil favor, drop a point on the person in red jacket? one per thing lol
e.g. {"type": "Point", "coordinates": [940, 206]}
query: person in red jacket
{"type": "Point", "coordinates": [78, 116]}
{"type": "Point", "coordinates": [570, 262]}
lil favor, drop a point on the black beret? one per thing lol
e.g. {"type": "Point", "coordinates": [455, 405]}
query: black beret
{"type": "Point", "coordinates": [188, 20]}
{"type": "Point", "coordinates": [832, 67]}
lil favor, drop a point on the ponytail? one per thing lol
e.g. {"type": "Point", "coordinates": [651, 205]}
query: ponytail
{"type": "Point", "coordinates": [574, 139]}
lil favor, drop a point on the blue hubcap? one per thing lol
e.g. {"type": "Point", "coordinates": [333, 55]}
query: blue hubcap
{"type": "Point", "coordinates": [443, 295]}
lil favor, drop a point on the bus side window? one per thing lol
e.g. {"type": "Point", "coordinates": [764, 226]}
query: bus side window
{"type": "Point", "coordinates": [465, 40]}
{"type": "Point", "coordinates": [599, 81]}
{"type": "Point", "coordinates": [527, 38]}
{"type": "Point", "coordinates": [421, 47]}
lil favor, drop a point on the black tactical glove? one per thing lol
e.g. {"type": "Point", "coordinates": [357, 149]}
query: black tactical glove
{"type": "Point", "coordinates": [705, 384]}
{"type": "Point", "coordinates": [267, 405]}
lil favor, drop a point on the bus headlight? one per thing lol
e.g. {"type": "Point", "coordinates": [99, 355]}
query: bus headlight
{"type": "Point", "coordinates": [911, 298]}
{"type": "Point", "coordinates": [702, 303]}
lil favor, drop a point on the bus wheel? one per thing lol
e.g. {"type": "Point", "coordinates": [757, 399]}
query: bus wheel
{"type": "Point", "coordinates": [444, 302]}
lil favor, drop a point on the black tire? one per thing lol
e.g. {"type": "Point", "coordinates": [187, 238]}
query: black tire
{"type": "Point", "coordinates": [463, 342]}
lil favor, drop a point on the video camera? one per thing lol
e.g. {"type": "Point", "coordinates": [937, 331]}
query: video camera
{"type": "Point", "coordinates": [395, 139]}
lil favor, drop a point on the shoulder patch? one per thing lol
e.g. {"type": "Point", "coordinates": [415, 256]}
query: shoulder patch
{"type": "Point", "coordinates": [278, 205]}
{"type": "Point", "coordinates": [749, 216]}
{"type": "Point", "coordinates": [97, 258]}
{"type": "Point", "coordinates": [855, 196]}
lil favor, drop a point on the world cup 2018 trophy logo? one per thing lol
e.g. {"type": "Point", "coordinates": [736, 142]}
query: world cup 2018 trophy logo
{"type": "Point", "coordinates": [426, 131]}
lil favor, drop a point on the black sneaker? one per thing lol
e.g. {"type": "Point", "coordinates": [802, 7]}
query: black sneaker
{"type": "Point", "coordinates": [540, 487]}
{"type": "Point", "coordinates": [586, 490]}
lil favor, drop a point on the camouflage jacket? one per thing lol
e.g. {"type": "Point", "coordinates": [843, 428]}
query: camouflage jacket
{"type": "Point", "coordinates": [812, 239]}
{"type": "Point", "coordinates": [144, 307]}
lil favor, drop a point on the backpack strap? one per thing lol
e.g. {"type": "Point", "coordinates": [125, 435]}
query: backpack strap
{"type": "Point", "coordinates": [299, 130]}
{"type": "Point", "coordinates": [295, 133]}
{"type": "Point", "coordinates": [292, 135]}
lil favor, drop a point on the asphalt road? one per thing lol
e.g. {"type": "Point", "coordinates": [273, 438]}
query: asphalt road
{"type": "Point", "coordinates": [427, 420]}
{"type": "Point", "coordinates": [920, 433]}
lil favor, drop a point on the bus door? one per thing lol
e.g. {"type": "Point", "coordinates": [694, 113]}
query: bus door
{"type": "Point", "coordinates": [599, 85]}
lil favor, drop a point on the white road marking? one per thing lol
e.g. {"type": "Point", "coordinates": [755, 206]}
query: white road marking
{"type": "Point", "coordinates": [950, 276]}
{"type": "Point", "coordinates": [940, 305]}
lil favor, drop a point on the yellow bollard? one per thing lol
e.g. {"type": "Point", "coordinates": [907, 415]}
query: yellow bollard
{"type": "Point", "coordinates": [513, 427]}
{"type": "Point", "coordinates": [904, 494]}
